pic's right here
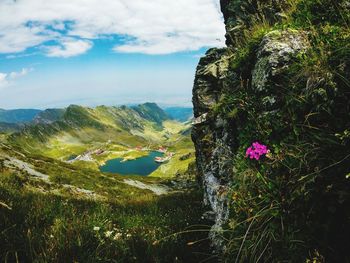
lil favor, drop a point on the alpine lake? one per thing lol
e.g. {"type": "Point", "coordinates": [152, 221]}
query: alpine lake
{"type": "Point", "coordinates": [141, 166]}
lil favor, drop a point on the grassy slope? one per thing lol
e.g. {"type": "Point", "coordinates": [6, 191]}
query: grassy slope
{"type": "Point", "coordinates": [46, 222]}
{"type": "Point", "coordinates": [53, 220]}
{"type": "Point", "coordinates": [117, 130]}
{"type": "Point", "coordinates": [182, 146]}
{"type": "Point", "coordinates": [61, 229]}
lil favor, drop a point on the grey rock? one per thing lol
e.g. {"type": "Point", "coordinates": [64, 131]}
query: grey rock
{"type": "Point", "coordinates": [215, 135]}
{"type": "Point", "coordinates": [241, 15]}
{"type": "Point", "coordinates": [212, 67]}
{"type": "Point", "coordinates": [276, 51]}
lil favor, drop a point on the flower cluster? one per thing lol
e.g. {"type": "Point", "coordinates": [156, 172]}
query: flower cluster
{"type": "Point", "coordinates": [256, 151]}
{"type": "Point", "coordinates": [115, 233]}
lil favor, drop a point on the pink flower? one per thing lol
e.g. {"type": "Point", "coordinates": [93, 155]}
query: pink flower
{"type": "Point", "coordinates": [249, 151]}
{"type": "Point", "coordinates": [256, 151]}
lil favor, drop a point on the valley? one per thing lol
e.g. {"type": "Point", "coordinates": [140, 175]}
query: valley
{"type": "Point", "coordinates": [52, 172]}
{"type": "Point", "coordinates": [245, 158]}
{"type": "Point", "coordinates": [87, 137]}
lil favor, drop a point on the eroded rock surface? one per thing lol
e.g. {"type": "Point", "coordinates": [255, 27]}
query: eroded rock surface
{"type": "Point", "coordinates": [215, 136]}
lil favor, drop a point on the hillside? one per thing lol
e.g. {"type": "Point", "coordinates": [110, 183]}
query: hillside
{"type": "Point", "coordinates": [93, 136]}
{"type": "Point", "coordinates": [70, 211]}
{"type": "Point", "coordinates": [49, 115]}
{"type": "Point", "coordinates": [18, 115]}
{"type": "Point", "coordinates": [10, 127]}
{"type": "Point", "coordinates": [52, 211]}
{"type": "Point", "coordinates": [272, 131]}
{"type": "Point", "coordinates": [181, 114]}
{"type": "Point", "coordinates": [72, 131]}
{"type": "Point", "coordinates": [151, 112]}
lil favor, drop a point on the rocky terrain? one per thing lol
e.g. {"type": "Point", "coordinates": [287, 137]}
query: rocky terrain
{"type": "Point", "coordinates": [283, 81]}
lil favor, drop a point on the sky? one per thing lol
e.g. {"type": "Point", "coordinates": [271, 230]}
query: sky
{"type": "Point", "coordinates": [112, 52]}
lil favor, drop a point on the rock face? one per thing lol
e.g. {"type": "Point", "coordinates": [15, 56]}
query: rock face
{"type": "Point", "coordinates": [276, 51]}
{"type": "Point", "coordinates": [241, 15]}
{"type": "Point", "coordinates": [212, 137]}
{"type": "Point", "coordinates": [215, 137]}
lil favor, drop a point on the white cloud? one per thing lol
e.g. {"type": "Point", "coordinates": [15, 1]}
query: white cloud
{"type": "Point", "coordinates": [18, 38]}
{"type": "Point", "coordinates": [23, 72]}
{"type": "Point", "coordinates": [3, 80]}
{"type": "Point", "coordinates": [151, 26]}
{"type": "Point", "coordinates": [68, 48]}
{"type": "Point", "coordinates": [21, 55]}
{"type": "Point", "coordinates": [7, 78]}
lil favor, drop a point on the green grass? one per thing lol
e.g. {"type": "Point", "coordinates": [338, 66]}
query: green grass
{"type": "Point", "coordinates": [117, 142]}
{"type": "Point", "coordinates": [46, 222]}
{"type": "Point", "coordinates": [51, 228]}
{"type": "Point", "coordinates": [175, 165]}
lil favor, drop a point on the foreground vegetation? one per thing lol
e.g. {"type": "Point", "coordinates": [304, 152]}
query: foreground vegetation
{"type": "Point", "coordinates": [76, 215]}
{"type": "Point", "coordinates": [48, 228]}
{"type": "Point", "coordinates": [53, 210]}
{"type": "Point", "coordinates": [292, 205]}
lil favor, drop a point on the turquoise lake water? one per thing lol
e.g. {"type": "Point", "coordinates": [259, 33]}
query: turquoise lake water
{"type": "Point", "coordinates": [140, 166]}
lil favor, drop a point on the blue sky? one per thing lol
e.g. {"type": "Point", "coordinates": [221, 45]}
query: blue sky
{"type": "Point", "coordinates": [56, 53]}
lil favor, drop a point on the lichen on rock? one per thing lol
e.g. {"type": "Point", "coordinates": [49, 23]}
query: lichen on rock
{"type": "Point", "coordinates": [276, 51]}
{"type": "Point", "coordinates": [215, 137]}
{"type": "Point", "coordinates": [282, 78]}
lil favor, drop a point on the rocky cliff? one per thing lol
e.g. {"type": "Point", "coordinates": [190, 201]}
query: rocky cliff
{"type": "Point", "coordinates": [282, 80]}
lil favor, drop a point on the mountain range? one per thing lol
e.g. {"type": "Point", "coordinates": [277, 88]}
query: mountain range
{"type": "Point", "coordinates": [20, 116]}
{"type": "Point", "coordinates": [76, 130]}
{"type": "Point", "coordinates": [52, 184]}
{"type": "Point", "coordinates": [181, 114]}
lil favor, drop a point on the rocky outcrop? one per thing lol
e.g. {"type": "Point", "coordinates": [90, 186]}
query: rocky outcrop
{"type": "Point", "coordinates": [242, 15]}
{"type": "Point", "coordinates": [276, 51]}
{"type": "Point", "coordinates": [214, 135]}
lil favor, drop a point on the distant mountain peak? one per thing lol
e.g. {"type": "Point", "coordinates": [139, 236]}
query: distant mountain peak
{"type": "Point", "coordinates": [181, 114]}
{"type": "Point", "coordinates": [49, 116]}
{"type": "Point", "coordinates": [152, 112]}
{"type": "Point", "coordinates": [18, 115]}
{"type": "Point", "coordinates": [107, 120]}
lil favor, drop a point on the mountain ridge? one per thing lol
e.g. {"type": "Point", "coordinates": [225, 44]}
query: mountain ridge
{"type": "Point", "coordinates": [60, 133]}
{"type": "Point", "coordinates": [18, 115]}
{"type": "Point", "coordinates": [181, 114]}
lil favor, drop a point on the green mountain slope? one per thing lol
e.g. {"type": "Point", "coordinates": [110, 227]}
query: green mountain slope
{"type": "Point", "coordinates": [71, 212]}
{"type": "Point", "coordinates": [9, 127]}
{"type": "Point", "coordinates": [49, 115]}
{"type": "Point", "coordinates": [116, 131]}
{"type": "Point", "coordinates": [152, 112]}
{"type": "Point", "coordinates": [53, 211]}
{"type": "Point", "coordinates": [181, 114]}
{"type": "Point", "coordinates": [76, 119]}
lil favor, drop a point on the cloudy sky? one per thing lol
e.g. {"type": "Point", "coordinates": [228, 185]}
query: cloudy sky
{"type": "Point", "coordinates": [89, 52]}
